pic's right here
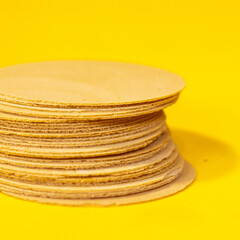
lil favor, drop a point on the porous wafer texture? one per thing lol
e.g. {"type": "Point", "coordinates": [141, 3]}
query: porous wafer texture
{"type": "Point", "coordinates": [80, 151]}
{"type": "Point", "coordinates": [90, 178]}
{"type": "Point", "coordinates": [103, 190]}
{"type": "Point", "coordinates": [76, 114]}
{"type": "Point", "coordinates": [84, 130]}
{"type": "Point", "coordinates": [80, 140]}
{"type": "Point", "coordinates": [167, 152]}
{"type": "Point", "coordinates": [181, 182]}
{"type": "Point", "coordinates": [92, 115]}
{"type": "Point", "coordinates": [86, 125]}
{"type": "Point", "coordinates": [10, 107]}
{"type": "Point", "coordinates": [160, 144]}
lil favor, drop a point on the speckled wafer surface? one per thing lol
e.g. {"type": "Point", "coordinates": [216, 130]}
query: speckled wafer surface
{"type": "Point", "coordinates": [77, 83]}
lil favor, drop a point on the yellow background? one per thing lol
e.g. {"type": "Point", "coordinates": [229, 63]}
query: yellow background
{"type": "Point", "coordinates": [198, 40]}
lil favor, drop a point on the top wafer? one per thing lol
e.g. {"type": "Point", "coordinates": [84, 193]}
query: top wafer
{"type": "Point", "coordinates": [86, 83]}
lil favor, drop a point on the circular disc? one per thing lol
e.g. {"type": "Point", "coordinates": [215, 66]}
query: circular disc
{"type": "Point", "coordinates": [74, 83]}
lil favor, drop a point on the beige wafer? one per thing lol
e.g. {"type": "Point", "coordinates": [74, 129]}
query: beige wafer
{"type": "Point", "coordinates": [184, 180]}
{"type": "Point", "coordinates": [89, 82]}
{"type": "Point", "coordinates": [92, 163]}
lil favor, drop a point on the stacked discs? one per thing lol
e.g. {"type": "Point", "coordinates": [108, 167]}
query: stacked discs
{"type": "Point", "coordinates": [88, 133]}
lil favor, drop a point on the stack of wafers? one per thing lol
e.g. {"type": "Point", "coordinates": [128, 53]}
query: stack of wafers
{"type": "Point", "coordinates": [88, 133]}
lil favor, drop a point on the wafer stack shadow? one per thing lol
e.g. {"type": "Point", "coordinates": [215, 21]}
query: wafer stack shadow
{"type": "Point", "coordinates": [88, 133]}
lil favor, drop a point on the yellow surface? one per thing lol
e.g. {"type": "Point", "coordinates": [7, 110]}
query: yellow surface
{"type": "Point", "coordinates": [198, 40]}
